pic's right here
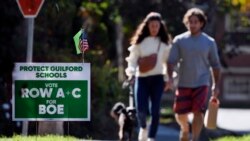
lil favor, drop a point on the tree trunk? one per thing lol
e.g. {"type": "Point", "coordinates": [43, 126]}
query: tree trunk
{"type": "Point", "coordinates": [119, 49]}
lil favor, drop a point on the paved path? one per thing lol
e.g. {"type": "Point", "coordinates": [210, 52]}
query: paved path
{"type": "Point", "coordinates": [166, 133]}
{"type": "Point", "coordinates": [231, 120]}
{"type": "Point", "coordinates": [234, 119]}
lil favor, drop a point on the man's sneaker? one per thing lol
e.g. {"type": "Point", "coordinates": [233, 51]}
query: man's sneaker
{"type": "Point", "coordinates": [143, 134]}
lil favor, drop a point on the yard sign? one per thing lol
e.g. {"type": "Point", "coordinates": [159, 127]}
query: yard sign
{"type": "Point", "coordinates": [51, 91]}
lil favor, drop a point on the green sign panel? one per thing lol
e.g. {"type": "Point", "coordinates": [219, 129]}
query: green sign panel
{"type": "Point", "coordinates": [58, 95]}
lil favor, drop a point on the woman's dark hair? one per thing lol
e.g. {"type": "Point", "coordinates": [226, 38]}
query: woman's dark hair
{"type": "Point", "coordinates": [143, 30]}
{"type": "Point", "coordinates": [195, 12]}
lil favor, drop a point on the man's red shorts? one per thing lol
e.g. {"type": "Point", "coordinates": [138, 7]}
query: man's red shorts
{"type": "Point", "coordinates": [190, 100]}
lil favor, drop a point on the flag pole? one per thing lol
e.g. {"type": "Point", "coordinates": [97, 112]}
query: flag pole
{"type": "Point", "coordinates": [83, 27]}
{"type": "Point", "coordinates": [83, 56]}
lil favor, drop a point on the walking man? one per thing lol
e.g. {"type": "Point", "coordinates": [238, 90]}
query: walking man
{"type": "Point", "coordinates": [196, 53]}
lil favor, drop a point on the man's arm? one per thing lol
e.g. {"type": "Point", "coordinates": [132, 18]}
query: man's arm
{"type": "Point", "coordinates": [173, 59]}
{"type": "Point", "coordinates": [170, 71]}
{"type": "Point", "coordinates": [216, 79]}
{"type": "Point", "coordinates": [216, 68]}
{"type": "Point", "coordinates": [170, 83]}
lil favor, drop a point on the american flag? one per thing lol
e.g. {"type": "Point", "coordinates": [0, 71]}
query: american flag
{"type": "Point", "coordinates": [83, 43]}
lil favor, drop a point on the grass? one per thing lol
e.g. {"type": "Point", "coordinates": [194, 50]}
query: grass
{"type": "Point", "coordinates": [68, 138]}
{"type": "Point", "coordinates": [39, 138]}
{"type": "Point", "coordinates": [231, 138]}
{"type": "Point", "coordinates": [167, 115]}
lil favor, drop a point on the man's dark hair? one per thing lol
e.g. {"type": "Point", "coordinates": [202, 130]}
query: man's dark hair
{"type": "Point", "coordinates": [195, 12]}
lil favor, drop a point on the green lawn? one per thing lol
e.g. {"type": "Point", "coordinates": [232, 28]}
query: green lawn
{"type": "Point", "coordinates": [67, 138]}
{"type": "Point", "coordinates": [39, 138]}
{"type": "Point", "coordinates": [230, 138]}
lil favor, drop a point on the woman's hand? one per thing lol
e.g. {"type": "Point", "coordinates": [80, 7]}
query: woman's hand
{"type": "Point", "coordinates": [131, 80]}
{"type": "Point", "coordinates": [169, 85]}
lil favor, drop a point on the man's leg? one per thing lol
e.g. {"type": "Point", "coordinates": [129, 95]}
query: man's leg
{"type": "Point", "coordinates": [197, 125]}
{"type": "Point", "coordinates": [198, 109]}
{"type": "Point", "coordinates": [182, 106]}
{"type": "Point", "coordinates": [182, 120]}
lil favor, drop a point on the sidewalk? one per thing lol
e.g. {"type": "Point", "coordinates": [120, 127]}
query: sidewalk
{"type": "Point", "coordinates": [166, 133]}
{"type": "Point", "coordinates": [234, 119]}
{"type": "Point", "coordinates": [229, 121]}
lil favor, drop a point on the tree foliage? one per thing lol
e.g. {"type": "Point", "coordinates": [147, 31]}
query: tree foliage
{"type": "Point", "coordinates": [57, 23]}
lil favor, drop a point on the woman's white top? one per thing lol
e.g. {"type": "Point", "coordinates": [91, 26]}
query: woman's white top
{"type": "Point", "coordinates": [147, 47]}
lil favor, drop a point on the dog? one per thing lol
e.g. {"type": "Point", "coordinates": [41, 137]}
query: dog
{"type": "Point", "coordinates": [126, 119]}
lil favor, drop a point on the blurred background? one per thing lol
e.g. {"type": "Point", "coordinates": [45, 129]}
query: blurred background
{"type": "Point", "coordinates": [110, 24]}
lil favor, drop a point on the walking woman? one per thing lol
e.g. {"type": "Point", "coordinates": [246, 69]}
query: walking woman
{"type": "Point", "coordinates": [150, 37]}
